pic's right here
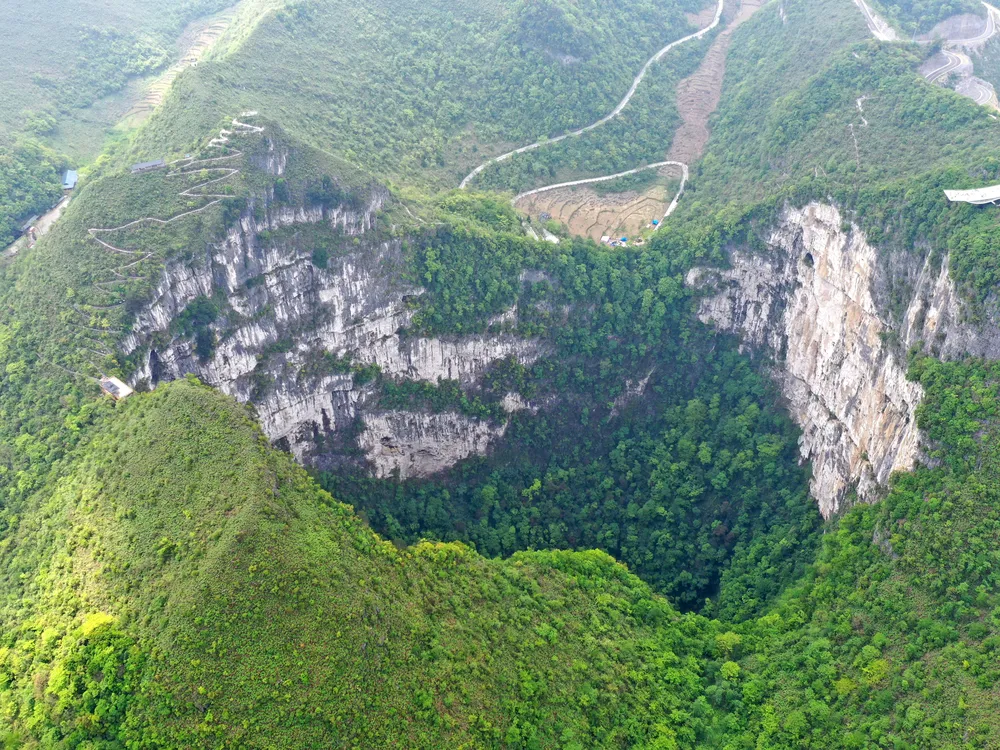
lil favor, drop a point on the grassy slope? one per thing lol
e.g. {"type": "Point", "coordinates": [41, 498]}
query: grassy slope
{"type": "Point", "coordinates": [238, 597]}
{"type": "Point", "coordinates": [42, 43]}
{"type": "Point", "coordinates": [871, 650]}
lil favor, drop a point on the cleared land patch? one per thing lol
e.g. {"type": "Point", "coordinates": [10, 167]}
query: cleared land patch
{"type": "Point", "coordinates": [698, 96]}
{"type": "Point", "coordinates": [586, 212]}
{"type": "Point", "coordinates": [203, 35]}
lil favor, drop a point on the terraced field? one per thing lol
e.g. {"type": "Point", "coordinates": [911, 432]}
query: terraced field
{"type": "Point", "coordinates": [203, 35]}
{"type": "Point", "coordinates": [588, 213]}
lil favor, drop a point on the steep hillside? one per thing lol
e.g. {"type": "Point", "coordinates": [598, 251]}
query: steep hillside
{"type": "Point", "coordinates": [70, 73]}
{"type": "Point", "coordinates": [370, 348]}
{"type": "Point", "coordinates": [892, 640]}
{"type": "Point", "coordinates": [180, 583]}
{"type": "Point", "coordinates": [423, 91]}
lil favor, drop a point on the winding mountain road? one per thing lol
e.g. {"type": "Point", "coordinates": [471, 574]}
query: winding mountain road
{"type": "Point", "coordinates": [610, 177]}
{"type": "Point", "coordinates": [988, 33]}
{"type": "Point", "coordinates": [954, 61]}
{"type": "Point", "coordinates": [609, 117]}
{"type": "Point", "coordinates": [185, 167]}
{"type": "Point", "coordinates": [980, 91]}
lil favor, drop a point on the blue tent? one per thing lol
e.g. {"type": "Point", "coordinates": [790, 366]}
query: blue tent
{"type": "Point", "coordinates": [656, 222]}
{"type": "Point", "coordinates": [624, 239]}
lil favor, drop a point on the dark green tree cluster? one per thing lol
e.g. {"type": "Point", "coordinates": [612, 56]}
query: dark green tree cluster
{"type": "Point", "coordinates": [29, 185]}
{"type": "Point", "coordinates": [922, 15]}
{"type": "Point", "coordinates": [699, 482]}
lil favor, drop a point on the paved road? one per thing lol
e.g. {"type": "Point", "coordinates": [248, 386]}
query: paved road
{"type": "Point", "coordinates": [987, 34]}
{"type": "Point", "coordinates": [614, 113]}
{"type": "Point", "coordinates": [973, 88]}
{"type": "Point", "coordinates": [876, 24]}
{"type": "Point", "coordinates": [954, 61]}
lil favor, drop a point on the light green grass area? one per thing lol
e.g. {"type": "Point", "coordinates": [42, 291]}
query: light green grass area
{"type": "Point", "coordinates": [68, 74]}
{"type": "Point", "coordinates": [42, 69]}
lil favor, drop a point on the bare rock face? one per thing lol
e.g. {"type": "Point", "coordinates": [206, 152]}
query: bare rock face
{"type": "Point", "coordinates": [408, 445]}
{"type": "Point", "coordinates": [294, 335]}
{"type": "Point", "coordinates": [815, 303]}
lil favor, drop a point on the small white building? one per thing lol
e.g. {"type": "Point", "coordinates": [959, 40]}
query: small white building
{"type": "Point", "coordinates": [115, 388]}
{"type": "Point", "coordinates": [977, 197]}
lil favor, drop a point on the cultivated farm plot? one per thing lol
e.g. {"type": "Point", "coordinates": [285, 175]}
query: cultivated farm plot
{"type": "Point", "coordinates": [586, 212]}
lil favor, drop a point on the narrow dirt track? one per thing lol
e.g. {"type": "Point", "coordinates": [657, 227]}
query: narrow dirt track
{"type": "Point", "coordinates": [183, 167]}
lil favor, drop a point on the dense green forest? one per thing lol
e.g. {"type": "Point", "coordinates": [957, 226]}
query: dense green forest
{"type": "Point", "coordinates": [425, 91]}
{"type": "Point", "coordinates": [158, 627]}
{"type": "Point", "coordinates": [921, 15]}
{"type": "Point", "coordinates": [891, 640]}
{"type": "Point", "coordinates": [168, 579]}
{"type": "Point", "coordinates": [699, 479]}
{"type": "Point", "coordinates": [211, 611]}
{"type": "Point", "coordinates": [31, 183]}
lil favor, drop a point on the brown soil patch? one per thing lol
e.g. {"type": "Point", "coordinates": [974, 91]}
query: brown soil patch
{"type": "Point", "coordinates": [704, 17]}
{"type": "Point", "coordinates": [698, 96]}
{"type": "Point", "coordinates": [587, 213]}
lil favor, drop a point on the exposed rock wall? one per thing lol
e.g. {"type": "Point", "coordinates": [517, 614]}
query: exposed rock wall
{"type": "Point", "coordinates": [418, 445]}
{"type": "Point", "coordinates": [292, 329]}
{"type": "Point", "coordinates": [817, 303]}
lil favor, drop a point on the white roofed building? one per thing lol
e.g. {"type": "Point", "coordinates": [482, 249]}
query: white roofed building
{"type": "Point", "coordinates": [977, 197]}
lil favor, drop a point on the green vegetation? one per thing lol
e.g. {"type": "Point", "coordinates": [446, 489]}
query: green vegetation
{"type": "Point", "coordinates": [425, 91]}
{"type": "Point", "coordinates": [697, 488]}
{"type": "Point", "coordinates": [211, 610]}
{"type": "Point", "coordinates": [921, 15]}
{"type": "Point", "coordinates": [107, 60]}
{"type": "Point", "coordinates": [642, 134]}
{"type": "Point", "coordinates": [698, 482]}
{"type": "Point", "coordinates": [30, 184]}
{"type": "Point", "coordinates": [891, 641]}
{"type": "Point", "coordinates": [167, 579]}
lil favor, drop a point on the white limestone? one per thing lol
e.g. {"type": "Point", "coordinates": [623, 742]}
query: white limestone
{"type": "Point", "coordinates": [811, 304]}
{"type": "Point", "coordinates": [418, 445]}
{"type": "Point", "coordinates": [356, 311]}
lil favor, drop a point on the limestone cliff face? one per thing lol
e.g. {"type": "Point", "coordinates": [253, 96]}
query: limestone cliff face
{"type": "Point", "coordinates": [818, 304]}
{"type": "Point", "coordinates": [292, 332]}
{"type": "Point", "coordinates": [418, 445]}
